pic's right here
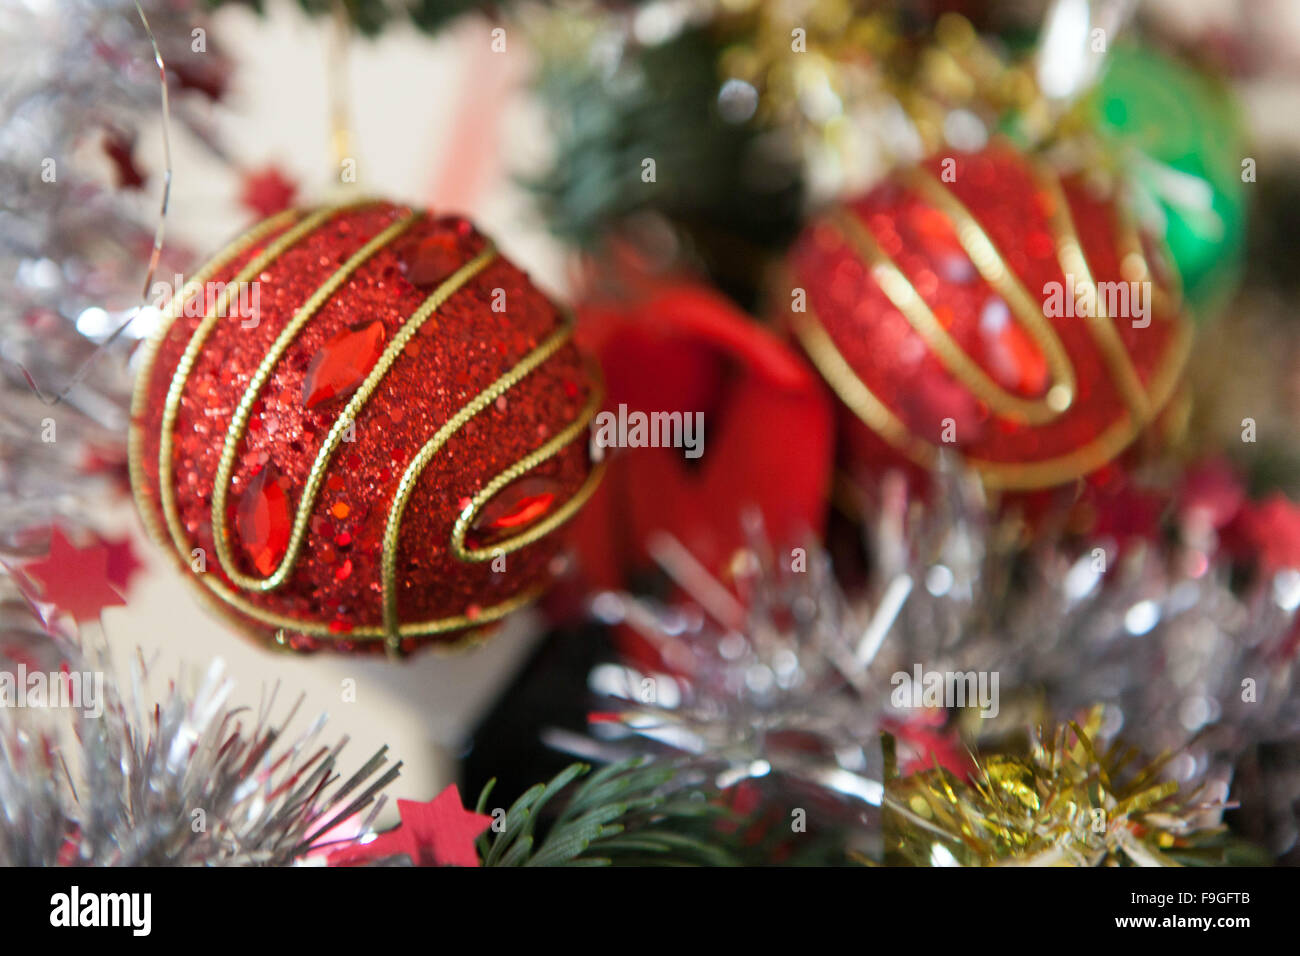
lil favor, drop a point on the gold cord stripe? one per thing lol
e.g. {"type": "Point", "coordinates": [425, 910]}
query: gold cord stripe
{"type": "Point", "coordinates": [285, 629]}
{"type": "Point", "coordinates": [477, 404]}
{"type": "Point", "coordinates": [853, 392]}
{"type": "Point", "coordinates": [538, 530]}
{"type": "Point", "coordinates": [993, 268]}
{"type": "Point", "coordinates": [135, 434]}
{"type": "Point", "coordinates": [1010, 476]}
{"type": "Point", "coordinates": [900, 291]}
{"type": "Point", "coordinates": [293, 625]}
{"type": "Point", "coordinates": [171, 408]}
{"type": "Point", "coordinates": [1104, 448]}
{"type": "Point", "coordinates": [235, 433]}
{"type": "Point", "coordinates": [1142, 405]}
{"type": "Point", "coordinates": [1074, 263]}
{"type": "Point", "coordinates": [1163, 303]}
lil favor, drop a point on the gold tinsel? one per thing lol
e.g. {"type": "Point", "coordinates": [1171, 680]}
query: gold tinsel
{"type": "Point", "coordinates": [858, 93]}
{"type": "Point", "coordinates": [1064, 803]}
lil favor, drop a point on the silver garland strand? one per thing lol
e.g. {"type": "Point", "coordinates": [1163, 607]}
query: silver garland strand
{"type": "Point", "coordinates": [785, 674]}
{"type": "Point", "coordinates": [75, 250]}
{"type": "Point", "coordinates": [93, 774]}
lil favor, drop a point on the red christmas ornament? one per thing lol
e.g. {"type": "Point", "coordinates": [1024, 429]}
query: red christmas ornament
{"type": "Point", "coordinates": [357, 427]}
{"type": "Point", "coordinates": [683, 347]}
{"type": "Point", "coordinates": [980, 303]}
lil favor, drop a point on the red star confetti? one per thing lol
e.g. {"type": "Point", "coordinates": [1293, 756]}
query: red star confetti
{"type": "Point", "coordinates": [109, 462]}
{"type": "Point", "coordinates": [122, 563]}
{"type": "Point", "coordinates": [76, 581]}
{"type": "Point", "coordinates": [267, 191]}
{"type": "Point", "coordinates": [119, 147]}
{"type": "Point", "coordinates": [438, 833]}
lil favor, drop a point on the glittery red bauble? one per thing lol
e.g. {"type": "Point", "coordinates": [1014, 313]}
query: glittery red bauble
{"type": "Point", "coordinates": [974, 303]}
{"type": "Point", "coordinates": [357, 427]}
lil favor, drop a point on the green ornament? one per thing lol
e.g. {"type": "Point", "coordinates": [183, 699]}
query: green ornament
{"type": "Point", "coordinates": [1178, 137]}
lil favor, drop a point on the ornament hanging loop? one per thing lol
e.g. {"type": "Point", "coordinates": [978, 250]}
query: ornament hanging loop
{"type": "Point", "coordinates": [340, 109]}
{"type": "Point", "coordinates": [1076, 37]}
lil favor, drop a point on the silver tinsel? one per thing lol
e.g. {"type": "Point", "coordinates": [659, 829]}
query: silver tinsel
{"type": "Point", "coordinates": [116, 780]}
{"type": "Point", "coordinates": [784, 673]}
{"type": "Point", "coordinates": [120, 780]}
{"type": "Point", "coordinates": [76, 250]}
{"type": "Point", "coordinates": [753, 684]}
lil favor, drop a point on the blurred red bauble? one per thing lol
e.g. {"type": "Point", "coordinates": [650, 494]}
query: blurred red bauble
{"type": "Point", "coordinates": [357, 426]}
{"type": "Point", "coordinates": [1268, 533]}
{"type": "Point", "coordinates": [669, 347]}
{"type": "Point", "coordinates": [983, 304]}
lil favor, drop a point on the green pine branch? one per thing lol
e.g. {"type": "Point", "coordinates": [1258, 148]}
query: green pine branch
{"type": "Point", "coordinates": [628, 813]}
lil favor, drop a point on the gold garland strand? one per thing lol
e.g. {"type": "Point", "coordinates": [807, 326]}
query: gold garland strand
{"type": "Point", "coordinates": [1069, 801]}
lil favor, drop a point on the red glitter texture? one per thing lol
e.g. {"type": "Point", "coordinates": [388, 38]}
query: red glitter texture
{"type": "Point", "coordinates": [896, 364]}
{"type": "Point", "coordinates": [460, 350]}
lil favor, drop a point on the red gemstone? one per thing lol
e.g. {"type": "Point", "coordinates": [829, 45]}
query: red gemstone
{"type": "Point", "coordinates": [517, 505]}
{"type": "Point", "coordinates": [342, 363]}
{"type": "Point", "coordinates": [262, 520]}
{"type": "Point", "coordinates": [1013, 357]}
{"type": "Point", "coordinates": [432, 259]}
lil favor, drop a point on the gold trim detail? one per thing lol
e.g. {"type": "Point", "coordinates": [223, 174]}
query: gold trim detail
{"type": "Point", "coordinates": [1069, 250]}
{"type": "Point", "coordinates": [171, 407]}
{"type": "Point", "coordinates": [135, 437]}
{"type": "Point", "coordinates": [1132, 256]}
{"type": "Point", "coordinates": [853, 392]}
{"type": "Point", "coordinates": [239, 422]}
{"type": "Point", "coordinates": [993, 268]}
{"type": "Point", "coordinates": [548, 524]}
{"type": "Point", "coordinates": [900, 291]}
{"type": "Point", "coordinates": [435, 444]}
{"type": "Point", "coordinates": [996, 475]}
